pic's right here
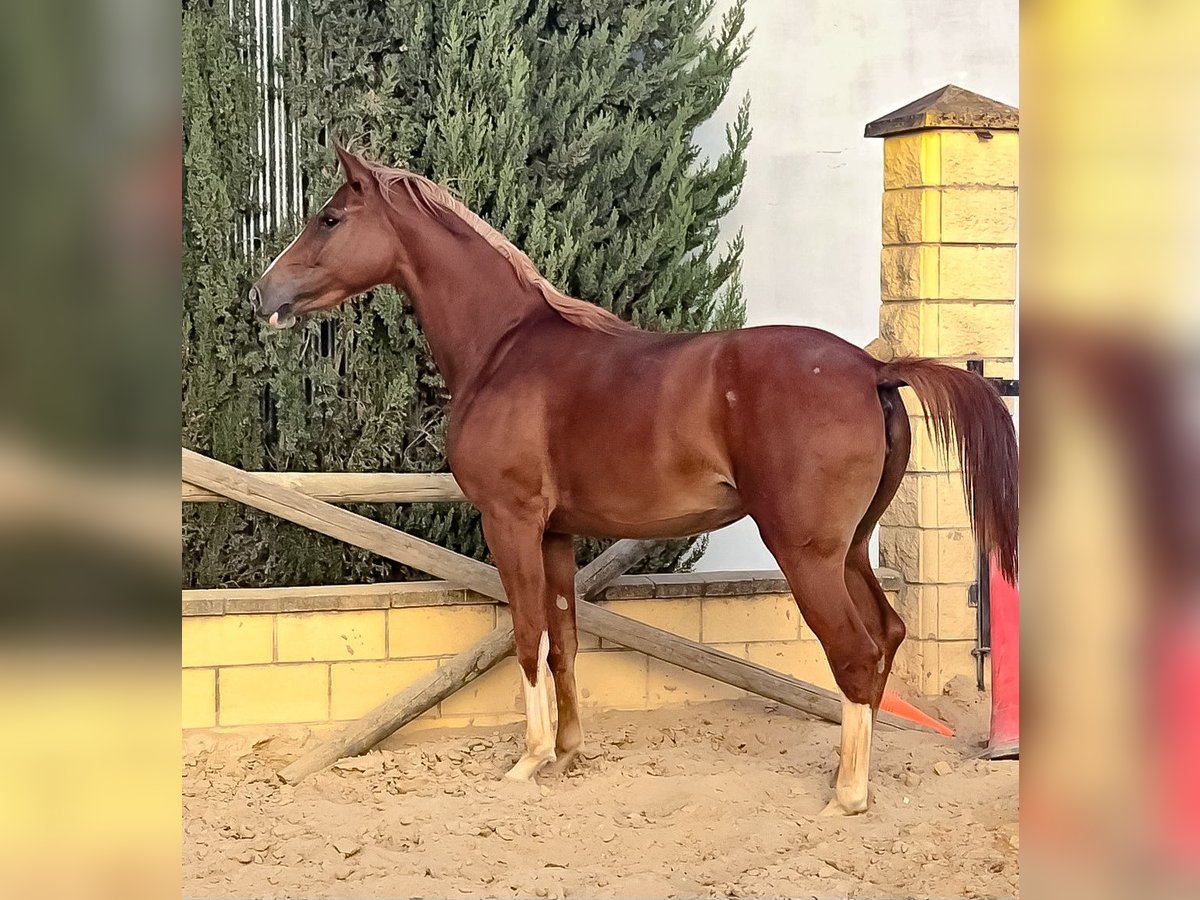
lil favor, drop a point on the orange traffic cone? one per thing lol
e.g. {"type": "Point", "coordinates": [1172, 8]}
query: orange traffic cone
{"type": "Point", "coordinates": [905, 710]}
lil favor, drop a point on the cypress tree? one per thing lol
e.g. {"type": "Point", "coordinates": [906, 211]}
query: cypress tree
{"type": "Point", "coordinates": [223, 362]}
{"type": "Point", "coordinates": [567, 125]}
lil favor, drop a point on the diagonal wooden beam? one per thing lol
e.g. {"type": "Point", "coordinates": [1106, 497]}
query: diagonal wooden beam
{"type": "Point", "coordinates": [612, 563]}
{"type": "Point", "coordinates": [400, 709]}
{"type": "Point", "coordinates": [394, 544]}
{"type": "Point", "coordinates": [397, 711]}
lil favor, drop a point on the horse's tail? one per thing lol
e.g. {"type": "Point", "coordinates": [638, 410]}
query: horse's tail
{"type": "Point", "coordinates": [963, 408]}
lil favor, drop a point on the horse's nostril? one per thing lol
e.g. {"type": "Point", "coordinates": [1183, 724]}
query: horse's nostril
{"type": "Point", "coordinates": [255, 298]}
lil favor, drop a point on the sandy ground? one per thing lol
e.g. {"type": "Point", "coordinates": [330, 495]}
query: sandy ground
{"type": "Point", "coordinates": [715, 800]}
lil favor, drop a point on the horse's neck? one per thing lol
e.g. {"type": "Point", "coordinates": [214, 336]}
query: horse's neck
{"type": "Point", "coordinates": [466, 299]}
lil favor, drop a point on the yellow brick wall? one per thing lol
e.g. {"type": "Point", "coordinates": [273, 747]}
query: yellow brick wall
{"type": "Point", "coordinates": [948, 286]}
{"type": "Point", "coordinates": [270, 658]}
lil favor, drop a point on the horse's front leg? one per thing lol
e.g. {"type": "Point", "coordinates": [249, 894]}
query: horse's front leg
{"type": "Point", "coordinates": [516, 544]}
{"type": "Point", "coordinates": [558, 551]}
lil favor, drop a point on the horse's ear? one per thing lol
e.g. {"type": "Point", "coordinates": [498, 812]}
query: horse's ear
{"type": "Point", "coordinates": [353, 167]}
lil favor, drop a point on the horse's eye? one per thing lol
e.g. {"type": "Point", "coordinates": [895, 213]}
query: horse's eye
{"type": "Point", "coordinates": [328, 221]}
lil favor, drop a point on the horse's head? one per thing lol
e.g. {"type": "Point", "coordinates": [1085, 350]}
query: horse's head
{"type": "Point", "coordinates": [345, 249]}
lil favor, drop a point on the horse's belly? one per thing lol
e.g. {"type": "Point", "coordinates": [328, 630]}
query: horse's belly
{"type": "Point", "coordinates": [645, 516]}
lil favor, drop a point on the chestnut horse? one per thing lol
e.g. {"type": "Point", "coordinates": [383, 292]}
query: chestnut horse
{"type": "Point", "coordinates": [565, 420]}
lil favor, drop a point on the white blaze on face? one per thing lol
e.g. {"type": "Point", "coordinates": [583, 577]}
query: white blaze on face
{"type": "Point", "coordinates": [267, 271]}
{"type": "Point", "coordinates": [287, 248]}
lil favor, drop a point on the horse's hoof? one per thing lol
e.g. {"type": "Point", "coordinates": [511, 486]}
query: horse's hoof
{"type": "Point", "coordinates": [835, 807]}
{"type": "Point", "coordinates": [563, 762]}
{"type": "Point", "coordinates": [528, 766]}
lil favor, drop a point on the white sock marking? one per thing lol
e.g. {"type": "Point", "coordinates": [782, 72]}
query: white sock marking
{"type": "Point", "coordinates": [539, 730]}
{"type": "Point", "coordinates": [855, 756]}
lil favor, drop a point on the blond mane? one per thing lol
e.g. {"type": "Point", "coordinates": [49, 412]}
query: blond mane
{"type": "Point", "coordinates": [429, 196]}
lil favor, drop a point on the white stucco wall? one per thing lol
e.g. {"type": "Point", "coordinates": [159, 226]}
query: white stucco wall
{"type": "Point", "coordinates": [817, 72]}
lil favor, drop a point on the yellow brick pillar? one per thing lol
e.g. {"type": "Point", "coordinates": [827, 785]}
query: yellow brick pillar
{"type": "Point", "coordinates": [948, 290]}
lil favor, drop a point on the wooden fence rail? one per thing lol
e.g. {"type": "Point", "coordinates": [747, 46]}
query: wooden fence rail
{"type": "Point", "coordinates": [351, 487]}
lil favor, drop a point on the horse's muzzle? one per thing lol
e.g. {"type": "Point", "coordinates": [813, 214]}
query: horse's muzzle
{"type": "Point", "coordinates": [277, 315]}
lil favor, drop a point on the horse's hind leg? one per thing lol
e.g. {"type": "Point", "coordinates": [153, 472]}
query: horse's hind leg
{"type": "Point", "coordinates": [809, 479]}
{"type": "Point", "coordinates": [885, 627]}
{"type": "Point", "coordinates": [856, 658]}
{"type": "Point", "coordinates": [558, 551]}
{"type": "Point", "coordinates": [877, 614]}
{"type": "Point", "coordinates": [516, 545]}
{"type": "Point", "coordinates": [852, 646]}
{"type": "Point", "coordinates": [809, 532]}
{"type": "Point", "coordinates": [858, 719]}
